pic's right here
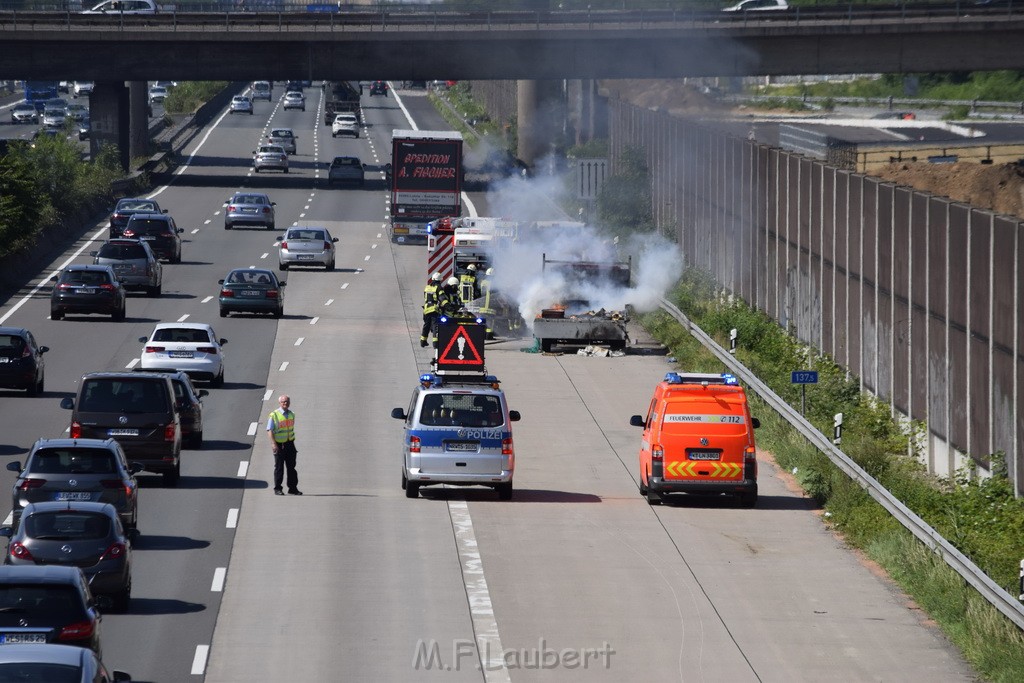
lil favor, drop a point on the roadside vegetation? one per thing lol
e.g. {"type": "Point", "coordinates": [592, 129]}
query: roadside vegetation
{"type": "Point", "coordinates": [998, 86]}
{"type": "Point", "coordinates": [980, 517]}
{"type": "Point", "coordinates": [186, 97]}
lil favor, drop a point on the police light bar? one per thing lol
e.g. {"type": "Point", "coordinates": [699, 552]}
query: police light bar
{"type": "Point", "coordinates": [704, 378]}
{"type": "Point", "coordinates": [430, 379]}
{"type": "Point", "coordinates": [443, 319]}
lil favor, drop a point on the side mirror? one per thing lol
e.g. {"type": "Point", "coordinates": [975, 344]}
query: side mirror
{"type": "Point", "coordinates": [273, 203]}
{"type": "Point", "coordinates": [279, 238]}
{"type": "Point", "coordinates": [122, 677]}
{"type": "Point", "coordinates": [334, 239]}
{"type": "Point", "coordinates": [93, 253]}
{"type": "Point", "coordinates": [637, 421]}
{"type": "Point", "coordinates": [14, 466]}
{"type": "Point", "coordinates": [203, 392]}
{"type": "Point", "coordinates": [53, 279]}
{"type": "Point", "coordinates": [181, 229]}
{"type": "Point", "coordinates": [281, 284]}
{"type": "Point", "coordinates": [514, 415]}
{"type": "Point", "coordinates": [757, 423]}
{"type": "Point", "coordinates": [43, 349]}
{"type": "Point", "coordinates": [220, 282]}
{"type": "Point", "coordinates": [222, 342]}
{"type": "Point", "coordinates": [103, 602]}
{"type": "Point", "coordinates": [143, 339]}
{"type": "Point", "coordinates": [67, 403]}
{"type": "Point", "coordinates": [6, 531]}
{"type": "Point", "coordinates": [163, 210]}
{"type": "Point", "coordinates": [135, 467]}
{"type": "Point", "coordinates": [396, 413]}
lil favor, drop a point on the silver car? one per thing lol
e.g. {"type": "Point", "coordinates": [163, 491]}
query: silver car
{"type": "Point", "coordinates": [270, 156]}
{"type": "Point", "coordinates": [249, 208]}
{"type": "Point", "coordinates": [308, 246]}
{"type": "Point", "coordinates": [24, 113]}
{"type": "Point", "coordinates": [294, 100]}
{"type": "Point", "coordinates": [53, 117]}
{"type": "Point", "coordinates": [284, 137]}
{"type": "Point", "coordinates": [346, 170]}
{"type": "Point", "coordinates": [240, 104]}
{"type": "Point", "coordinates": [133, 262]}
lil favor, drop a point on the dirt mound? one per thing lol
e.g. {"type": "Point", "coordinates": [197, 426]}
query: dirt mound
{"type": "Point", "coordinates": [986, 186]}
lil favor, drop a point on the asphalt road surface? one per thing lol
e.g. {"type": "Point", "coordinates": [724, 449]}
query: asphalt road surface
{"type": "Point", "coordinates": [576, 577]}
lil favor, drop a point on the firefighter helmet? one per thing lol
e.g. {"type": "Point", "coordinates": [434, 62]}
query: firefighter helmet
{"type": "Point", "coordinates": [436, 277]}
{"type": "Point", "coordinates": [489, 271]}
{"type": "Point", "coordinates": [471, 267]}
{"type": "Point", "coordinates": [453, 282]}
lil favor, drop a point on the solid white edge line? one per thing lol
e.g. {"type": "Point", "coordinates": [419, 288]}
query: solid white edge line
{"type": "Point", "coordinates": [219, 575]}
{"type": "Point", "coordinates": [252, 428]}
{"type": "Point", "coordinates": [232, 521]}
{"type": "Point", "coordinates": [199, 661]}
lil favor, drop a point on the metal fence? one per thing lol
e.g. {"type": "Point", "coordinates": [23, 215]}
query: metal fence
{"type": "Point", "coordinates": [917, 295]}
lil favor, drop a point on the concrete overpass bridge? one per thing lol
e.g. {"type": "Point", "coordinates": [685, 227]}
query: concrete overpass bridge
{"type": "Point", "coordinates": [497, 45]}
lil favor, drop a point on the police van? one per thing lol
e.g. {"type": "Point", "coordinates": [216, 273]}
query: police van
{"type": "Point", "coordinates": [698, 438]}
{"type": "Point", "coordinates": [458, 431]}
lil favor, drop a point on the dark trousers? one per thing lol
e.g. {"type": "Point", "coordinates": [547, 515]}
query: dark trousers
{"type": "Point", "coordinates": [284, 457]}
{"type": "Point", "coordinates": [429, 320]}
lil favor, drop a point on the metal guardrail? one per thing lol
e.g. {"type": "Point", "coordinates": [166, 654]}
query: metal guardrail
{"type": "Point", "coordinates": [959, 562]}
{"type": "Point", "coordinates": [888, 102]}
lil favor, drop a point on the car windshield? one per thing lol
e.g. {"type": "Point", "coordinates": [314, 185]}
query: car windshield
{"type": "Point", "coordinates": [67, 525]}
{"type": "Point", "coordinates": [462, 410]}
{"type": "Point", "coordinates": [281, 134]}
{"type": "Point", "coordinates": [72, 461]}
{"type": "Point", "coordinates": [86, 277]}
{"type": "Point", "coordinates": [105, 395]}
{"type": "Point", "coordinates": [255, 277]}
{"type": "Point", "coordinates": [306, 235]}
{"type": "Point", "coordinates": [181, 334]}
{"type": "Point", "coordinates": [136, 205]}
{"type": "Point", "coordinates": [248, 199]}
{"type": "Point", "coordinates": [340, 161]}
{"type": "Point", "coordinates": [149, 226]}
{"type": "Point", "coordinates": [47, 601]}
{"type": "Point", "coordinates": [122, 252]}
{"type": "Point", "coordinates": [39, 671]}
{"type": "Point", "coordinates": [269, 149]}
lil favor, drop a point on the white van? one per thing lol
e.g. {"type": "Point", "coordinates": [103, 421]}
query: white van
{"type": "Point", "coordinates": [124, 7]}
{"type": "Point", "coordinates": [261, 90]}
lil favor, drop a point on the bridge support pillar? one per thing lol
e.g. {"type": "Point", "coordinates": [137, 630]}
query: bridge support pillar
{"type": "Point", "coordinates": [541, 118]}
{"type": "Point", "coordinates": [138, 119]}
{"type": "Point", "coordinates": [108, 112]}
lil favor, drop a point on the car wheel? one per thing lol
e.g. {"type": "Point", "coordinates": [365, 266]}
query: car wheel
{"type": "Point", "coordinates": [153, 291]}
{"type": "Point", "coordinates": [748, 499]}
{"type": "Point", "coordinates": [119, 314]}
{"type": "Point", "coordinates": [330, 265]}
{"type": "Point", "coordinates": [250, 112]}
{"type": "Point", "coordinates": [227, 226]}
{"type": "Point", "coordinates": [411, 490]}
{"type": "Point", "coordinates": [279, 313]}
{"type": "Point", "coordinates": [504, 491]}
{"type": "Point", "coordinates": [177, 258]}
{"type": "Point", "coordinates": [56, 315]}
{"type": "Point", "coordinates": [334, 135]}
{"type": "Point", "coordinates": [272, 226]}
{"type": "Point", "coordinates": [218, 381]}
{"type": "Point", "coordinates": [35, 388]}
{"type": "Point", "coordinates": [255, 170]}
{"type": "Point", "coordinates": [223, 313]}
{"type": "Point", "coordinates": [286, 170]}
{"type": "Point", "coordinates": [282, 267]}
{"type": "Point", "coordinates": [405, 480]}
{"type": "Point", "coordinates": [195, 441]}
{"type": "Point", "coordinates": [171, 478]}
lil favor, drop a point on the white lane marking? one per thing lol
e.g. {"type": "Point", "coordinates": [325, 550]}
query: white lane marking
{"type": "Point", "coordinates": [209, 298]}
{"type": "Point", "coordinates": [219, 574]}
{"type": "Point", "coordinates": [373, 246]}
{"type": "Point", "coordinates": [345, 286]}
{"type": "Point", "coordinates": [9, 519]}
{"type": "Point", "coordinates": [265, 255]}
{"type": "Point", "coordinates": [267, 394]}
{"type": "Point", "coordinates": [183, 318]}
{"type": "Point", "coordinates": [208, 220]}
{"type": "Point", "coordinates": [243, 468]}
{"type": "Point", "coordinates": [313, 321]}
{"type": "Point", "coordinates": [306, 207]}
{"type": "Point", "coordinates": [199, 661]}
{"type": "Point", "coordinates": [194, 231]}
{"type": "Point", "coordinates": [283, 367]}
{"type": "Point", "coordinates": [379, 235]}
{"type": "Point", "coordinates": [135, 361]}
{"type": "Point", "coordinates": [252, 428]}
{"type": "Point", "coordinates": [485, 626]}
{"type": "Point", "coordinates": [298, 342]}
{"type": "Point", "coordinates": [232, 518]}
{"type": "Point", "coordinates": [367, 257]}
{"type": "Point", "coordinates": [328, 302]}
{"type": "Point", "coordinates": [302, 215]}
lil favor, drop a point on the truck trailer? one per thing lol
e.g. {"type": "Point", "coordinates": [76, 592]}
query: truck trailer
{"type": "Point", "coordinates": [426, 181]}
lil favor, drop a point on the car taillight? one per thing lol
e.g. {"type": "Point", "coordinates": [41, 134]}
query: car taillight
{"type": "Point", "coordinates": [506, 446]}
{"type": "Point", "coordinates": [129, 233]}
{"type": "Point", "coordinates": [76, 430]}
{"type": "Point", "coordinates": [111, 483]}
{"type": "Point", "coordinates": [169, 431]}
{"type": "Point", "coordinates": [266, 209]}
{"type": "Point", "coordinates": [116, 217]}
{"type": "Point", "coordinates": [271, 293]}
{"type": "Point", "coordinates": [207, 349]}
{"type": "Point", "coordinates": [232, 209]}
{"type": "Point", "coordinates": [155, 349]}
{"type": "Point", "coordinates": [115, 551]}
{"type": "Point", "coordinates": [26, 352]}
{"type": "Point", "coordinates": [76, 631]}
{"type": "Point", "coordinates": [227, 293]}
{"type": "Point", "coordinates": [167, 234]}
{"type": "Point", "coordinates": [414, 444]}
{"type": "Point", "coordinates": [65, 285]}
{"type": "Point", "coordinates": [657, 452]}
{"type": "Point", "coordinates": [284, 245]}
{"type": "Point", "coordinates": [31, 484]}
{"type": "Point", "coordinates": [108, 287]}
{"type": "Point", "coordinates": [327, 246]}
{"type": "Point", "coordinates": [20, 552]}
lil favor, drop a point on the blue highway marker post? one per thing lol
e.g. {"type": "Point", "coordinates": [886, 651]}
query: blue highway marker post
{"type": "Point", "coordinates": [803, 378]}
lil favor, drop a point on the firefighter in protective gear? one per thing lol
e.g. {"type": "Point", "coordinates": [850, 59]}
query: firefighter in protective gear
{"type": "Point", "coordinates": [448, 303]}
{"type": "Point", "coordinates": [485, 292]}
{"type": "Point", "coordinates": [467, 285]}
{"type": "Point", "coordinates": [430, 296]}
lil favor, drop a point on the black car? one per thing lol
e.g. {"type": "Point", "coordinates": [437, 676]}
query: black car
{"type": "Point", "coordinates": [51, 604]}
{"type": "Point", "coordinates": [246, 290]}
{"type": "Point", "coordinates": [50, 662]}
{"type": "Point", "coordinates": [189, 402]}
{"type": "Point", "coordinates": [160, 231]}
{"type": "Point", "coordinates": [87, 289]}
{"type": "Point", "coordinates": [379, 88]}
{"type": "Point", "coordinates": [77, 470]}
{"type": "Point", "coordinates": [84, 535]}
{"type": "Point", "coordinates": [125, 209]}
{"type": "Point", "coordinates": [21, 361]}
{"type": "Point", "coordinates": [138, 409]}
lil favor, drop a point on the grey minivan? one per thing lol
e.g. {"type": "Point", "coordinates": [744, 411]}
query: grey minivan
{"type": "Point", "coordinates": [133, 262]}
{"type": "Point", "coordinates": [135, 408]}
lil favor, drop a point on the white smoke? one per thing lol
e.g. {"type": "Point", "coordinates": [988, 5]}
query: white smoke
{"type": "Point", "coordinates": [519, 272]}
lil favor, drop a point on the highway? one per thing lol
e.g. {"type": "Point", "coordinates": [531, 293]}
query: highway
{"type": "Point", "coordinates": [576, 577]}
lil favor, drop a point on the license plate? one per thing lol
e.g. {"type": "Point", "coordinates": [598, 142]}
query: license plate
{"type": "Point", "coordinates": [305, 257]}
{"type": "Point", "coordinates": [704, 455]}
{"type": "Point", "coordinates": [462, 446]}
{"type": "Point", "coordinates": [248, 210]}
{"type": "Point", "coordinates": [122, 432]}
{"type": "Point", "coordinates": [251, 292]}
{"type": "Point", "coordinates": [147, 238]}
{"type": "Point", "coordinates": [86, 290]}
{"type": "Point", "coordinates": [181, 354]}
{"type": "Point", "coordinates": [73, 495]}
{"type": "Point", "coordinates": [5, 359]}
{"type": "Point", "coordinates": [16, 638]}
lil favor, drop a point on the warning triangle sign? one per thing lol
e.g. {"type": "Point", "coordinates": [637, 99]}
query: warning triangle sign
{"type": "Point", "coordinates": [461, 349]}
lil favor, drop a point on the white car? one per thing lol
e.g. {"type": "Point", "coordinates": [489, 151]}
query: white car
{"type": "Point", "coordinates": [81, 88]}
{"type": "Point", "coordinates": [757, 6]}
{"type": "Point", "coordinates": [241, 104]}
{"type": "Point", "coordinates": [345, 124]}
{"type": "Point", "coordinates": [294, 100]}
{"type": "Point", "coordinates": [306, 246]}
{"type": "Point", "coordinates": [157, 94]}
{"type": "Point", "coordinates": [192, 348]}
{"type": "Point", "coordinates": [124, 7]}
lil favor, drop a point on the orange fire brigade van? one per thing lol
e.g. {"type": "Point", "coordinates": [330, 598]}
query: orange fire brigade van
{"type": "Point", "coordinates": [698, 438]}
